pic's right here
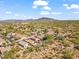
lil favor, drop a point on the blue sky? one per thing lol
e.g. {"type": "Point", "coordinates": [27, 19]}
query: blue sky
{"type": "Point", "coordinates": [25, 9]}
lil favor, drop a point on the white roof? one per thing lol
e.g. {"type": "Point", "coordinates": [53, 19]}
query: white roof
{"type": "Point", "coordinates": [23, 43]}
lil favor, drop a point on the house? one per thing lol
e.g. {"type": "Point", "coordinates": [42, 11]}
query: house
{"type": "Point", "coordinates": [23, 44]}
{"type": "Point", "coordinates": [32, 40]}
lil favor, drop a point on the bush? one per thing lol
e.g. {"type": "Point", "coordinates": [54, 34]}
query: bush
{"type": "Point", "coordinates": [37, 48]}
{"type": "Point", "coordinates": [34, 48]}
{"type": "Point", "coordinates": [48, 38]}
{"type": "Point", "coordinates": [30, 49]}
{"type": "Point", "coordinates": [75, 41]}
{"type": "Point", "coordinates": [67, 55]}
{"type": "Point", "coordinates": [10, 54]}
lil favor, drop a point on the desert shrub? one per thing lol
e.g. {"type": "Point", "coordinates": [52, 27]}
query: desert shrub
{"type": "Point", "coordinates": [48, 57]}
{"type": "Point", "coordinates": [60, 37]}
{"type": "Point", "coordinates": [75, 41]}
{"type": "Point", "coordinates": [30, 49]}
{"type": "Point", "coordinates": [65, 43]}
{"type": "Point", "coordinates": [48, 38]}
{"type": "Point", "coordinates": [67, 55]}
{"type": "Point", "coordinates": [4, 44]}
{"type": "Point", "coordinates": [34, 48]}
{"type": "Point", "coordinates": [4, 33]}
{"type": "Point", "coordinates": [10, 54]}
{"type": "Point", "coordinates": [37, 48]}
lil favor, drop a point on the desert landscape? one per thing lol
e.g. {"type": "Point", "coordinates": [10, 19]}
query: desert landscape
{"type": "Point", "coordinates": [39, 29]}
{"type": "Point", "coordinates": [44, 38]}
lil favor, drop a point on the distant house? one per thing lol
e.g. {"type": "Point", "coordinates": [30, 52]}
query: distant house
{"type": "Point", "coordinates": [37, 39]}
{"type": "Point", "coordinates": [23, 44]}
{"type": "Point", "coordinates": [33, 40]}
{"type": "Point", "coordinates": [30, 41]}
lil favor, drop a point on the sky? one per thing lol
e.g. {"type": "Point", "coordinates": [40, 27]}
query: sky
{"type": "Point", "coordinates": [26, 9]}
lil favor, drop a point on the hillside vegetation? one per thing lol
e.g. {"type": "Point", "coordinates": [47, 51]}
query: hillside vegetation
{"type": "Point", "coordinates": [58, 39]}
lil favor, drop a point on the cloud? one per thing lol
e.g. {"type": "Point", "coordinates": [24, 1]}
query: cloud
{"type": "Point", "coordinates": [46, 8]}
{"type": "Point", "coordinates": [72, 6]}
{"type": "Point", "coordinates": [41, 3]}
{"type": "Point", "coordinates": [24, 16]}
{"type": "Point", "coordinates": [44, 12]}
{"type": "Point", "coordinates": [76, 12]}
{"type": "Point", "coordinates": [37, 3]}
{"type": "Point", "coordinates": [34, 6]}
{"type": "Point", "coordinates": [66, 5]}
{"type": "Point", "coordinates": [16, 15]}
{"type": "Point", "coordinates": [50, 13]}
{"type": "Point", "coordinates": [8, 12]}
{"type": "Point", "coordinates": [56, 13]}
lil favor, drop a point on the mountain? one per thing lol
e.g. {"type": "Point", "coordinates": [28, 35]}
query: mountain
{"type": "Point", "coordinates": [27, 20]}
{"type": "Point", "coordinates": [46, 18]}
